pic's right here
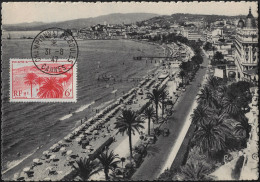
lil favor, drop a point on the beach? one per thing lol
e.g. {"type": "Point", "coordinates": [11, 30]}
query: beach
{"type": "Point", "coordinates": [34, 127]}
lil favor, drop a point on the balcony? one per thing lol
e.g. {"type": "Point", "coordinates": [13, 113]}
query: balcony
{"type": "Point", "coordinates": [248, 64]}
{"type": "Point", "coordinates": [248, 39]}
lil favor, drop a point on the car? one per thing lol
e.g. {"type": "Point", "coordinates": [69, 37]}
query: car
{"type": "Point", "coordinates": [166, 132]}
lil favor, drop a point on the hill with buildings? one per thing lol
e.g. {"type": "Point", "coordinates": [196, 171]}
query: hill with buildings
{"type": "Point", "coordinates": [116, 18]}
{"type": "Point", "coordinates": [181, 18]}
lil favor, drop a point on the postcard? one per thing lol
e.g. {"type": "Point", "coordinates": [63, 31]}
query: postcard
{"type": "Point", "coordinates": [119, 91]}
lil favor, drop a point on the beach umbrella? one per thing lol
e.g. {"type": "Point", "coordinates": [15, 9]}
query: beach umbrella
{"type": "Point", "coordinates": [36, 161]}
{"type": "Point", "coordinates": [49, 168]}
{"type": "Point", "coordinates": [52, 147]}
{"type": "Point", "coordinates": [47, 179]}
{"type": "Point", "coordinates": [62, 149]}
{"type": "Point", "coordinates": [46, 152]}
{"type": "Point", "coordinates": [78, 139]}
{"type": "Point", "coordinates": [69, 152]}
{"type": "Point", "coordinates": [27, 169]}
{"type": "Point", "coordinates": [88, 147]}
{"type": "Point", "coordinates": [53, 157]}
{"type": "Point", "coordinates": [60, 142]}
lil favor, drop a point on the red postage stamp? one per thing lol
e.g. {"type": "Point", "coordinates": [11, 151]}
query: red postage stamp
{"type": "Point", "coordinates": [29, 84]}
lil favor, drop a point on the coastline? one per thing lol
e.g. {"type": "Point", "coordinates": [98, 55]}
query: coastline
{"type": "Point", "coordinates": [9, 173]}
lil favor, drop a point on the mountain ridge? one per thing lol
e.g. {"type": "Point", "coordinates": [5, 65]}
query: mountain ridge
{"type": "Point", "coordinates": [115, 18]}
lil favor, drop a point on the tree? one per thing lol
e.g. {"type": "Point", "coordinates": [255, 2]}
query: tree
{"type": "Point", "coordinates": [206, 97]}
{"type": "Point", "coordinates": [218, 56]}
{"type": "Point", "coordinates": [30, 79]}
{"type": "Point", "coordinates": [85, 168]}
{"type": "Point", "coordinates": [51, 88]}
{"type": "Point", "coordinates": [230, 105]}
{"type": "Point", "coordinates": [208, 46]}
{"type": "Point", "coordinates": [201, 115]}
{"type": "Point", "coordinates": [182, 74]}
{"type": "Point", "coordinates": [155, 97]}
{"type": "Point", "coordinates": [129, 122]}
{"type": "Point", "coordinates": [195, 171]}
{"type": "Point", "coordinates": [149, 114]}
{"type": "Point", "coordinates": [108, 162]}
{"type": "Point", "coordinates": [39, 80]}
{"type": "Point", "coordinates": [164, 94]}
{"type": "Point", "coordinates": [211, 135]}
{"type": "Point", "coordinates": [242, 124]}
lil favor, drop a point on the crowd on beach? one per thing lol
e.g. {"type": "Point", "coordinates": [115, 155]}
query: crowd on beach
{"type": "Point", "coordinates": [94, 135]}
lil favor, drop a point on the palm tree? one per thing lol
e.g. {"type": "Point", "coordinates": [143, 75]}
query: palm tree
{"type": "Point", "coordinates": [242, 124]}
{"type": "Point", "coordinates": [230, 105]}
{"type": "Point", "coordinates": [86, 168]}
{"type": "Point", "coordinates": [129, 122]}
{"type": "Point", "coordinates": [211, 136]}
{"type": "Point", "coordinates": [201, 115]}
{"type": "Point", "coordinates": [155, 98]}
{"type": "Point", "coordinates": [182, 74]}
{"type": "Point", "coordinates": [163, 96]}
{"type": "Point", "coordinates": [149, 114]}
{"type": "Point", "coordinates": [51, 88]}
{"type": "Point", "coordinates": [108, 162]}
{"type": "Point", "coordinates": [30, 79]}
{"type": "Point", "coordinates": [206, 97]}
{"type": "Point", "coordinates": [221, 93]}
{"type": "Point", "coordinates": [39, 80]}
{"type": "Point", "coordinates": [195, 171]}
{"type": "Point", "coordinates": [213, 83]}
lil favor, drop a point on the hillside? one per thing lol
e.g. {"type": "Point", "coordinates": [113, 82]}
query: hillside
{"type": "Point", "coordinates": [116, 18]}
{"type": "Point", "coordinates": [181, 17]}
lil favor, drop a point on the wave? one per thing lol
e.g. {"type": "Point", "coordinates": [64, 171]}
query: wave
{"type": "Point", "coordinates": [65, 117]}
{"type": "Point", "coordinates": [82, 108]}
{"type": "Point", "coordinates": [114, 91]}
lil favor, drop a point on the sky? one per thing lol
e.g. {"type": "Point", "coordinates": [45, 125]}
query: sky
{"type": "Point", "coordinates": [20, 12]}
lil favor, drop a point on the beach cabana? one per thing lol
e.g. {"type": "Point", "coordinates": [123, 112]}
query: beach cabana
{"type": "Point", "coordinates": [36, 161]}
{"type": "Point", "coordinates": [78, 139]}
{"type": "Point", "coordinates": [28, 171]}
{"type": "Point", "coordinates": [67, 139]}
{"type": "Point", "coordinates": [53, 157]}
{"type": "Point", "coordinates": [51, 170]}
{"type": "Point", "coordinates": [46, 152]}
{"type": "Point", "coordinates": [69, 152]}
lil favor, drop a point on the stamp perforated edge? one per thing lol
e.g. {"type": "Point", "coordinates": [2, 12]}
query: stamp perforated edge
{"type": "Point", "coordinates": [75, 86]}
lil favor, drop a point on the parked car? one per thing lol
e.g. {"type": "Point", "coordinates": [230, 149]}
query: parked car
{"type": "Point", "coordinates": [166, 132]}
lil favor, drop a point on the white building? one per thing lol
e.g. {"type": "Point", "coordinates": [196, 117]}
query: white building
{"type": "Point", "coordinates": [246, 54]}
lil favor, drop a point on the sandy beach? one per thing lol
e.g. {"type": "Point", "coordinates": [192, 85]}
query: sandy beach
{"type": "Point", "coordinates": [84, 109]}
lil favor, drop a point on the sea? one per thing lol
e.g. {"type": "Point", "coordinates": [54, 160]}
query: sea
{"type": "Point", "coordinates": [28, 127]}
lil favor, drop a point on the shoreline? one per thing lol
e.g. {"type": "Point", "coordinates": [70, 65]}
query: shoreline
{"type": "Point", "coordinates": [28, 158]}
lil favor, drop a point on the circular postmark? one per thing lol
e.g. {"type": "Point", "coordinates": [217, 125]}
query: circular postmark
{"type": "Point", "coordinates": [54, 51]}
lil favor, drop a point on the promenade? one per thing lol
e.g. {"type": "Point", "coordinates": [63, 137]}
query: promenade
{"type": "Point", "coordinates": [151, 168]}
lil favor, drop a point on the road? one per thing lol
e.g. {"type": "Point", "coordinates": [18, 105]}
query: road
{"type": "Point", "coordinates": [154, 162]}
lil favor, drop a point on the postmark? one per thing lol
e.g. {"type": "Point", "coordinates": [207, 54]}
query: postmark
{"type": "Point", "coordinates": [29, 84]}
{"type": "Point", "coordinates": [56, 45]}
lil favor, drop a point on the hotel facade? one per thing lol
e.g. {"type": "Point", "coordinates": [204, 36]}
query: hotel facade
{"type": "Point", "coordinates": [246, 54]}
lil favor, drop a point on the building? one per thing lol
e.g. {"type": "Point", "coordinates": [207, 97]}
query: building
{"type": "Point", "coordinates": [246, 50]}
